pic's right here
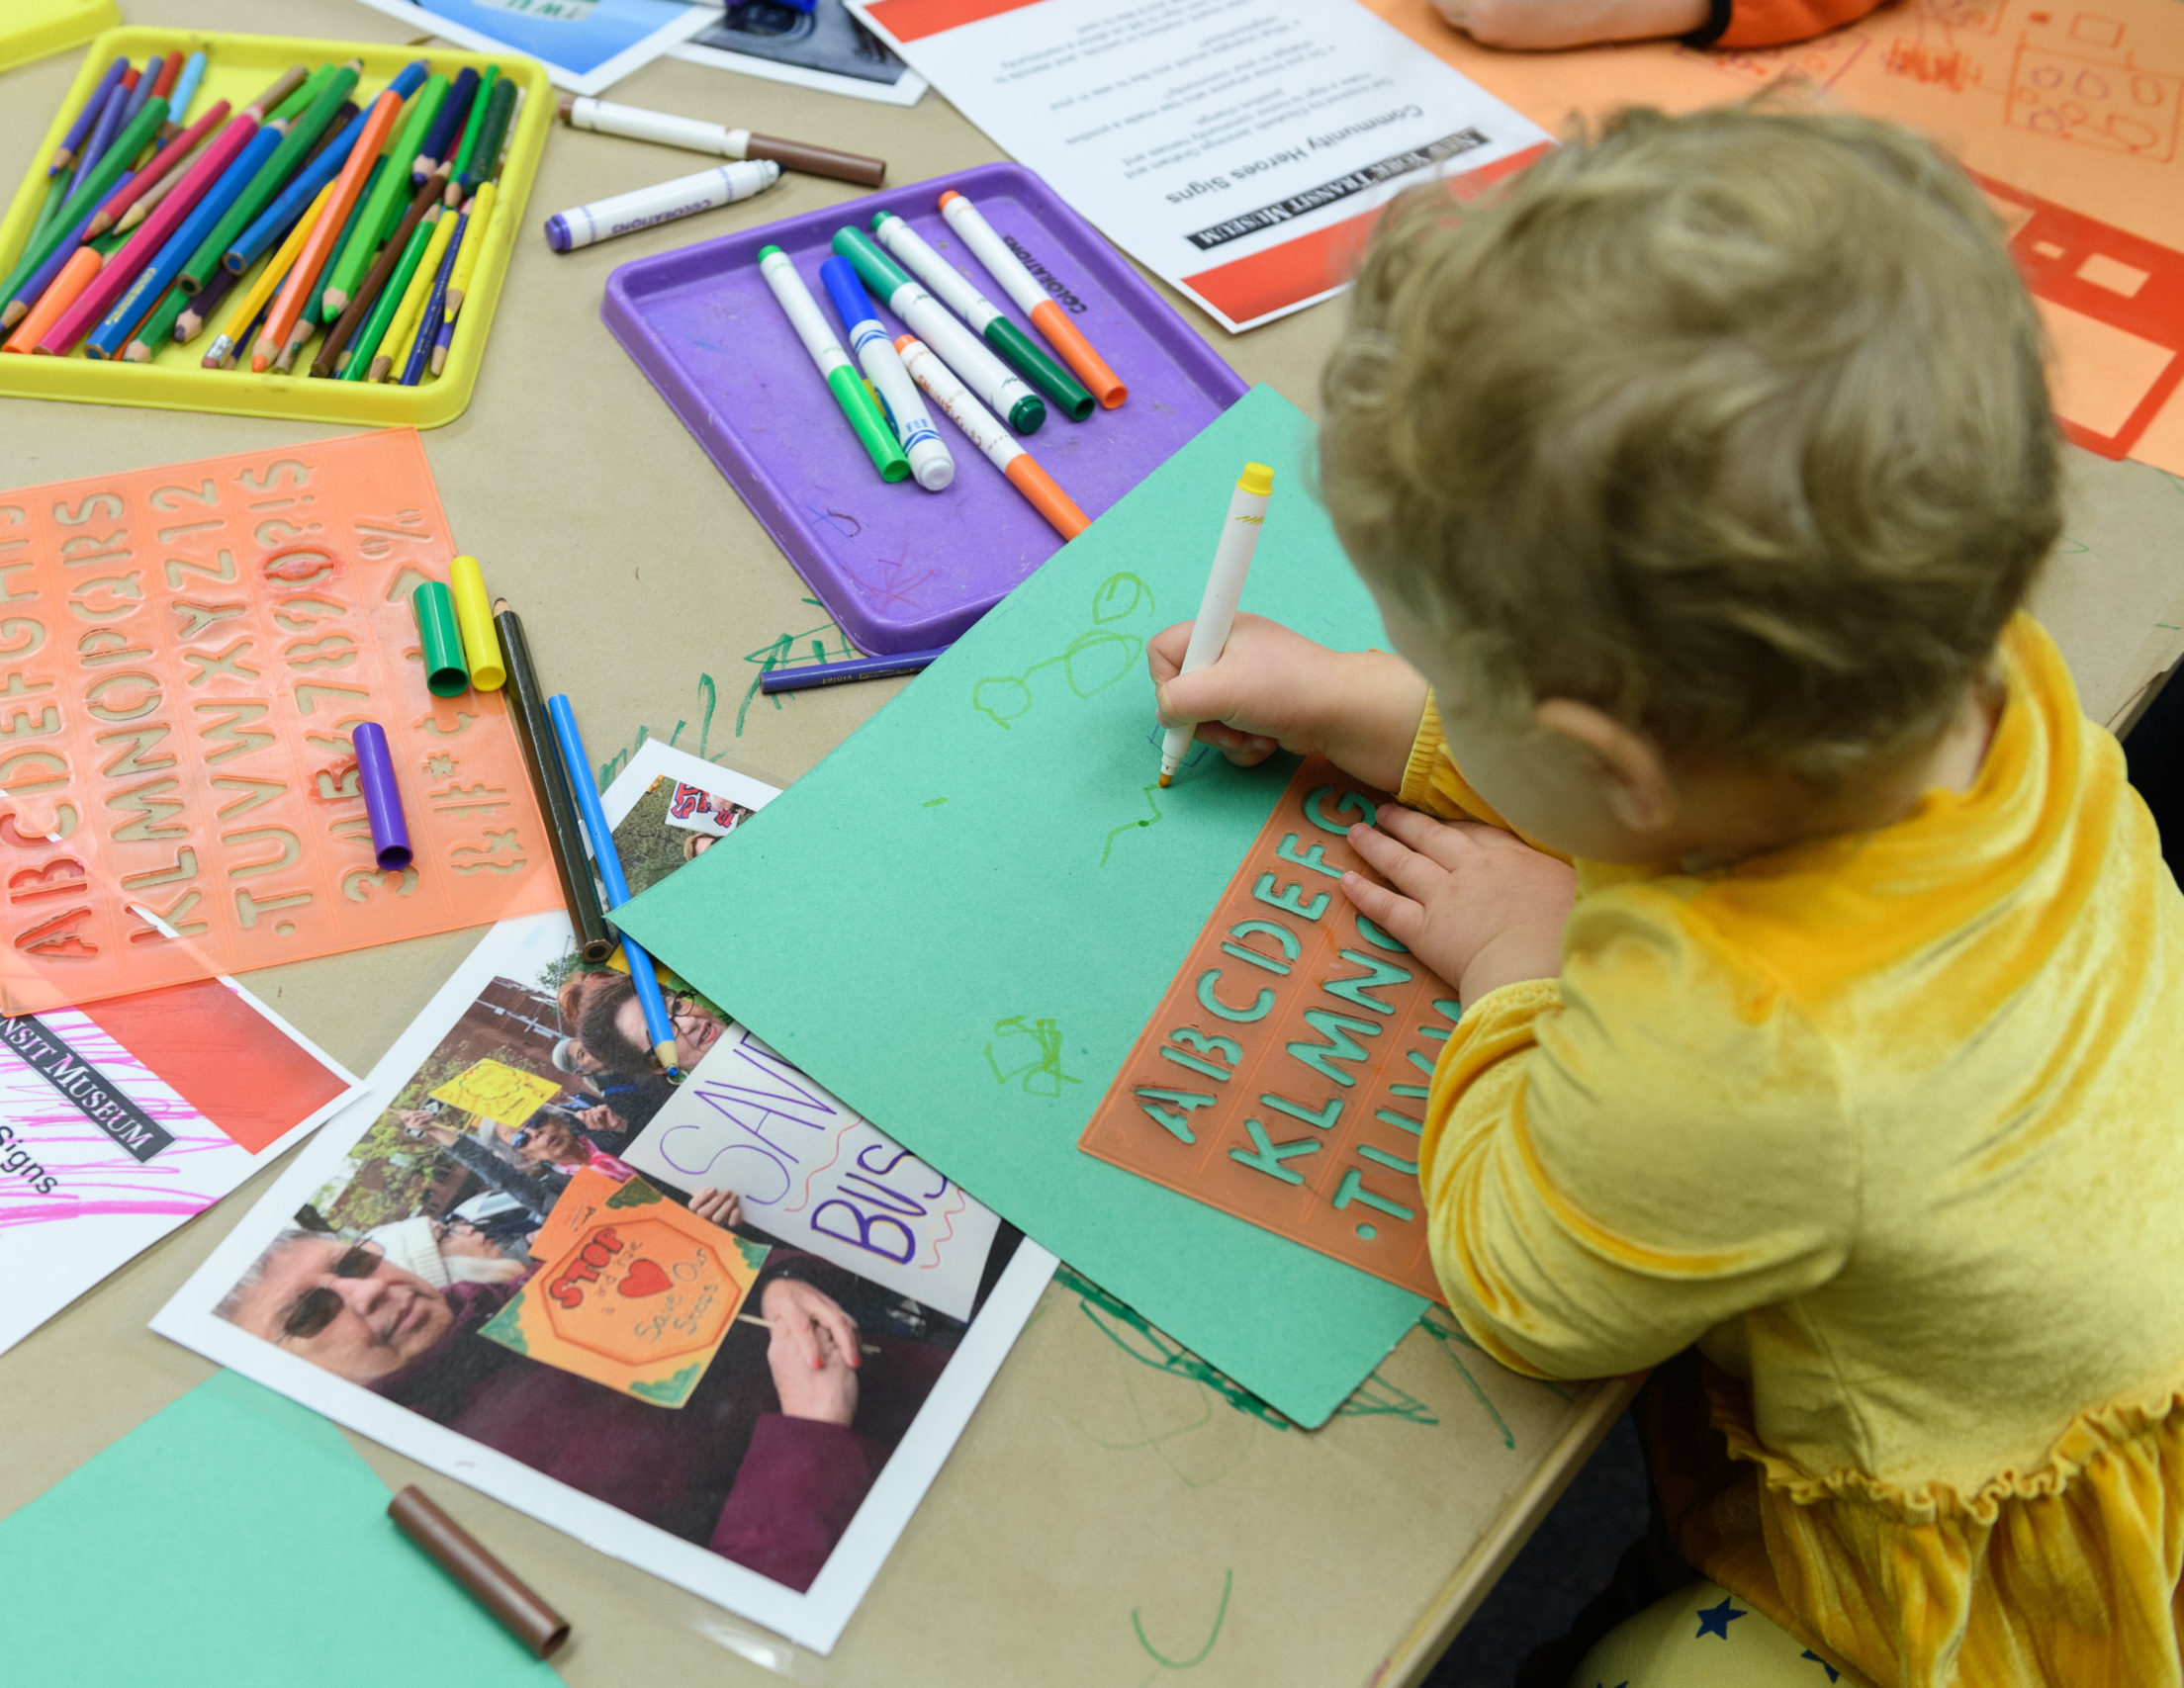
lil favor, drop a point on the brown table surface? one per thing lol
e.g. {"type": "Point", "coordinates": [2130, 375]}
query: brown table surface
{"type": "Point", "coordinates": [1109, 1517]}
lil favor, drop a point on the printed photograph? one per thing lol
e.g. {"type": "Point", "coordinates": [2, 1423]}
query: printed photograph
{"type": "Point", "coordinates": [819, 35]}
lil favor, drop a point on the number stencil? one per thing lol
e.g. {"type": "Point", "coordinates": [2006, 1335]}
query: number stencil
{"type": "Point", "coordinates": [1284, 1077]}
{"type": "Point", "coordinates": [183, 654]}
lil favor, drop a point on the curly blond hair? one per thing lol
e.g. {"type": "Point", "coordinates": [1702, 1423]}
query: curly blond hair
{"type": "Point", "coordinates": [1733, 425]}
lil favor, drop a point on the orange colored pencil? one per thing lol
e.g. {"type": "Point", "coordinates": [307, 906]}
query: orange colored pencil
{"type": "Point", "coordinates": [60, 293]}
{"type": "Point", "coordinates": [281, 322]}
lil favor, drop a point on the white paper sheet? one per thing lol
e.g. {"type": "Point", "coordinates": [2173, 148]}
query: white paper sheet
{"type": "Point", "coordinates": [1237, 149]}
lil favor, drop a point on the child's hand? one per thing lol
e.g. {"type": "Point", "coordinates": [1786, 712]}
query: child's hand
{"type": "Point", "coordinates": [1541, 25]}
{"type": "Point", "coordinates": [1272, 687]}
{"type": "Point", "coordinates": [1476, 904]}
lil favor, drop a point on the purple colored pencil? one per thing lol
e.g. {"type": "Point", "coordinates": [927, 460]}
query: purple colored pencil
{"type": "Point", "coordinates": [105, 129]}
{"type": "Point", "coordinates": [375, 773]}
{"type": "Point", "coordinates": [207, 300]}
{"type": "Point", "coordinates": [86, 117]}
{"type": "Point", "coordinates": [41, 278]}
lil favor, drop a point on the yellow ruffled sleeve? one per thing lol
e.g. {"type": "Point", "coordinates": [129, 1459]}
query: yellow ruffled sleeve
{"type": "Point", "coordinates": [1431, 782]}
{"type": "Point", "coordinates": [1618, 1160]}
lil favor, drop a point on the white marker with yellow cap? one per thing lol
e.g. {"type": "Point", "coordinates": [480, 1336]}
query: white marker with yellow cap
{"type": "Point", "coordinates": [1217, 611]}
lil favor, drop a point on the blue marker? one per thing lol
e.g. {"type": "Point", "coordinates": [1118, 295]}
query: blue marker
{"type": "Point", "coordinates": [876, 355]}
{"type": "Point", "coordinates": [586, 790]}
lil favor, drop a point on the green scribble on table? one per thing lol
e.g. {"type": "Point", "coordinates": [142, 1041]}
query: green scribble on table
{"type": "Point", "coordinates": [1113, 832]}
{"type": "Point", "coordinates": [1090, 663]}
{"type": "Point", "coordinates": [1440, 1324]}
{"type": "Point", "coordinates": [1377, 1397]}
{"type": "Point", "coordinates": [1033, 1050]}
{"type": "Point", "coordinates": [783, 653]}
{"type": "Point", "coordinates": [1220, 1614]}
{"type": "Point", "coordinates": [1126, 1329]}
{"type": "Point", "coordinates": [708, 695]}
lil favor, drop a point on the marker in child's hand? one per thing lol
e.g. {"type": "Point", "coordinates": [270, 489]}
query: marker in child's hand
{"type": "Point", "coordinates": [1217, 611]}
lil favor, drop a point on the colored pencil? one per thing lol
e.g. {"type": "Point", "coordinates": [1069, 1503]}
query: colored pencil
{"type": "Point", "coordinates": [359, 351]}
{"type": "Point", "coordinates": [401, 327]}
{"type": "Point", "coordinates": [858, 668]}
{"type": "Point", "coordinates": [56, 195]}
{"type": "Point", "coordinates": [157, 330]}
{"type": "Point", "coordinates": [271, 174]}
{"type": "Point", "coordinates": [278, 218]}
{"type": "Point", "coordinates": [163, 86]}
{"type": "Point", "coordinates": [151, 175]}
{"type": "Point", "coordinates": [480, 223]}
{"type": "Point", "coordinates": [417, 124]}
{"type": "Point", "coordinates": [368, 292]}
{"type": "Point", "coordinates": [259, 293]}
{"type": "Point", "coordinates": [485, 158]}
{"type": "Point", "coordinates": [198, 307]}
{"type": "Point", "coordinates": [67, 287]}
{"type": "Point", "coordinates": [474, 122]}
{"type": "Point", "coordinates": [36, 288]}
{"type": "Point", "coordinates": [442, 138]}
{"type": "Point", "coordinates": [382, 212]}
{"type": "Point", "coordinates": [281, 322]}
{"type": "Point", "coordinates": [185, 90]}
{"type": "Point", "coordinates": [102, 132]}
{"type": "Point", "coordinates": [87, 117]}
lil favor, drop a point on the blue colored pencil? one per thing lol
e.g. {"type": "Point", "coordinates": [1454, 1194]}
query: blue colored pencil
{"type": "Point", "coordinates": [185, 90]}
{"type": "Point", "coordinates": [88, 116]}
{"type": "Point", "coordinates": [111, 336]}
{"type": "Point", "coordinates": [857, 669]}
{"type": "Point", "coordinates": [447, 128]}
{"type": "Point", "coordinates": [435, 307]}
{"type": "Point", "coordinates": [586, 790]}
{"type": "Point", "coordinates": [293, 200]}
{"type": "Point", "coordinates": [104, 130]}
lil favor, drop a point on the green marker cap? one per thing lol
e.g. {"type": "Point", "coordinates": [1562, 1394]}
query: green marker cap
{"type": "Point", "coordinates": [1036, 366]}
{"type": "Point", "coordinates": [873, 431]}
{"type": "Point", "coordinates": [874, 267]}
{"type": "Point", "coordinates": [442, 637]}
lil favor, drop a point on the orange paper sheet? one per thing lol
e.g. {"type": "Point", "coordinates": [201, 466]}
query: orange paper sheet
{"type": "Point", "coordinates": [1284, 1077]}
{"type": "Point", "coordinates": [183, 655]}
{"type": "Point", "coordinates": [640, 1298]}
{"type": "Point", "coordinates": [2068, 113]}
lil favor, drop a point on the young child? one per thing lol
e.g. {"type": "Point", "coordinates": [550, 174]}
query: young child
{"type": "Point", "coordinates": [1702, 475]}
{"type": "Point", "coordinates": [1537, 25]}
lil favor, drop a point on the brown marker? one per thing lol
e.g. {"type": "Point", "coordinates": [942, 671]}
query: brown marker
{"type": "Point", "coordinates": [495, 1588]}
{"type": "Point", "coordinates": [694, 135]}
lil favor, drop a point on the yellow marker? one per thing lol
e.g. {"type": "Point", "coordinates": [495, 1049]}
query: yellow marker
{"type": "Point", "coordinates": [1217, 611]}
{"type": "Point", "coordinates": [466, 584]}
{"type": "Point", "coordinates": [393, 345]}
{"type": "Point", "coordinates": [474, 242]}
{"type": "Point", "coordinates": [252, 299]}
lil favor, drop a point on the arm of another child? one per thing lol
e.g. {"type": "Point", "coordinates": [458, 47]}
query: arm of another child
{"type": "Point", "coordinates": [1543, 25]}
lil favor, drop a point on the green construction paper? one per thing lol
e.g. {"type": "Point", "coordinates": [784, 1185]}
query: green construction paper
{"type": "Point", "coordinates": [961, 921]}
{"type": "Point", "coordinates": [235, 1541]}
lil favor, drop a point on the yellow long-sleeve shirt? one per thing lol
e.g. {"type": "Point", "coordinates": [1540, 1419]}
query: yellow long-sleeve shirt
{"type": "Point", "coordinates": [1892, 1126]}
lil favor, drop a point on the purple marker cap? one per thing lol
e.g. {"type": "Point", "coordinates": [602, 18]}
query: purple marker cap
{"type": "Point", "coordinates": [375, 772]}
{"type": "Point", "coordinates": [556, 232]}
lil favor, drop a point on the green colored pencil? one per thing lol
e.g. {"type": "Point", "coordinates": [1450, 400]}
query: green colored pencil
{"type": "Point", "coordinates": [485, 157]}
{"type": "Point", "coordinates": [301, 95]}
{"type": "Point", "coordinates": [383, 206]}
{"type": "Point", "coordinates": [157, 330]}
{"type": "Point", "coordinates": [472, 124]}
{"type": "Point", "coordinates": [314, 311]}
{"type": "Point", "coordinates": [390, 296]}
{"type": "Point", "coordinates": [56, 193]}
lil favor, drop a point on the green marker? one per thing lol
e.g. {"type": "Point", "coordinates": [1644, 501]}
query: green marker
{"type": "Point", "coordinates": [474, 122]}
{"type": "Point", "coordinates": [485, 158]}
{"type": "Point", "coordinates": [271, 176]}
{"type": "Point", "coordinates": [390, 296]}
{"type": "Point", "coordinates": [1004, 337]}
{"type": "Point", "coordinates": [802, 311]}
{"type": "Point", "coordinates": [88, 192]}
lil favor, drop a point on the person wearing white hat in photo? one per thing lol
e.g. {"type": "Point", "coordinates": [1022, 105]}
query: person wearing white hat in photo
{"type": "Point", "coordinates": [443, 1253]}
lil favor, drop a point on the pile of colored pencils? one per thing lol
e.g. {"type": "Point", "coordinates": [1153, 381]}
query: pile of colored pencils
{"type": "Point", "coordinates": [314, 212]}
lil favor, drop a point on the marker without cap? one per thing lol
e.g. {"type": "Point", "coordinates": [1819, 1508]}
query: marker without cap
{"type": "Point", "coordinates": [633, 122]}
{"type": "Point", "coordinates": [975, 307]}
{"type": "Point", "coordinates": [835, 368]}
{"type": "Point", "coordinates": [1217, 611]}
{"type": "Point", "coordinates": [989, 436]}
{"type": "Point", "coordinates": [641, 208]}
{"type": "Point", "coordinates": [1023, 287]}
{"type": "Point", "coordinates": [930, 461]}
{"type": "Point", "coordinates": [956, 345]}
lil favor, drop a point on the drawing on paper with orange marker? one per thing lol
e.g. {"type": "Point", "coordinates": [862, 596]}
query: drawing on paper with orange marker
{"type": "Point", "coordinates": [2069, 115]}
{"type": "Point", "coordinates": [640, 1300]}
{"type": "Point", "coordinates": [1283, 1078]}
{"type": "Point", "coordinates": [184, 653]}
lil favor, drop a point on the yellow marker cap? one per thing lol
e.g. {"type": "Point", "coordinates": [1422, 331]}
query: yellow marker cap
{"type": "Point", "coordinates": [466, 584]}
{"type": "Point", "coordinates": [1256, 478]}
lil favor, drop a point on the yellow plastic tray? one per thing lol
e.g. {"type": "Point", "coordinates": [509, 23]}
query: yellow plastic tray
{"type": "Point", "coordinates": [32, 29]}
{"type": "Point", "coordinates": [237, 70]}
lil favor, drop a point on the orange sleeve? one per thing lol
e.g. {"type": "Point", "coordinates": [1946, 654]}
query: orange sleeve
{"type": "Point", "coordinates": [1776, 23]}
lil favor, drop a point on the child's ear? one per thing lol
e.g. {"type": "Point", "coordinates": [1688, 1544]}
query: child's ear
{"type": "Point", "coordinates": [1633, 778]}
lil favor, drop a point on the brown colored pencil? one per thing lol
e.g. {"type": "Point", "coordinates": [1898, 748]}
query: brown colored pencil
{"type": "Point", "coordinates": [375, 278]}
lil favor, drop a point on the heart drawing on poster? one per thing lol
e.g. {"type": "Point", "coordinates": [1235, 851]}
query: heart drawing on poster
{"type": "Point", "coordinates": [644, 1278]}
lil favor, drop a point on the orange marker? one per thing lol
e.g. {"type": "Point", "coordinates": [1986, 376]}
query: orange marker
{"type": "Point", "coordinates": [989, 436]}
{"type": "Point", "coordinates": [60, 293]}
{"type": "Point", "coordinates": [1032, 298]}
{"type": "Point", "coordinates": [282, 334]}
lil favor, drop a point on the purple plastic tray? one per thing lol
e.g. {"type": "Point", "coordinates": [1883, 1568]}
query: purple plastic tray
{"type": "Point", "coordinates": [902, 569]}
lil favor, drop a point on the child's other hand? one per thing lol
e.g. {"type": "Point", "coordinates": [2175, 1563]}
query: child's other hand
{"type": "Point", "coordinates": [1542, 25]}
{"type": "Point", "coordinates": [1272, 688]}
{"type": "Point", "coordinates": [1476, 904]}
